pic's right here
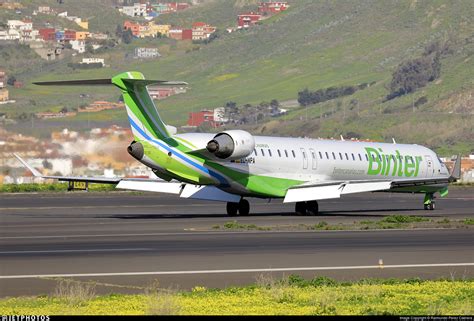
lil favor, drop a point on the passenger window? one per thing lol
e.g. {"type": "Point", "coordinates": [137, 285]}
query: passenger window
{"type": "Point", "coordinates": [327, 155]}
{"type": "Point", "coordinates": [347, 156]}
{"type": "Point", "coordinates": [263, 153]}
{"type": "Point", "coordinates": [304, 155]}
{"type": "Point", "coordinates": [279, 154]}
{"type": "Point", "coordinates": [340, 156]}
{"type": "Point", "coordinates": [353, 157]}
{"type": "Point", "coordinates": [366, 157]}
{"type": "Point", "coordinates": [333, 155]}
{"type": "Point", "coordinates": [286, 153]}
{"type": "Point", "coordinates": [320, 155]}
{"type": "Point", "coordinates": [270, 152]}
{"type": "Point", "coordinates": [293, 152]}
{"type": "Point", "coordinates": [314, 156]}
{"type": "Point", "coordinates": [255, 152]}
{"type": "Point", "coordinates": [360, 158]}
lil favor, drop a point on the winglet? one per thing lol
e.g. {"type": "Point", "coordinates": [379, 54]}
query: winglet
{"type": "Point", "coordinates": [30, 168]}
{"type": "Point", "coordinates": [456, 172]}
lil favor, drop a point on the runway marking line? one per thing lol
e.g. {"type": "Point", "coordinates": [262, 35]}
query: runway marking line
{"type": "Point", "coordinates": [75, 251]}
{"type": "Point", "coordinates": [319, 268]}
{"type": "Point", "coordinates": [215, 233]}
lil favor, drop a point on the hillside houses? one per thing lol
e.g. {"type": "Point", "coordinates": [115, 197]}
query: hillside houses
{"type": "Point", "coordinates": [265, 9]}
{"type": "Point", "coordinates": [272, 7]}
{"type": "Point", "coordinates": [245, 20]}
{"type": "Point", "coordinates": [200, 31]}
{"type": "Point", "coordinates": [23, 31]}
{"type": "Point", "coordinates": [149, 11]}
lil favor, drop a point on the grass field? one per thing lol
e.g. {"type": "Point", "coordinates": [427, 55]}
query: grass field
{"type": "Point", "coordinates": [291, 296]}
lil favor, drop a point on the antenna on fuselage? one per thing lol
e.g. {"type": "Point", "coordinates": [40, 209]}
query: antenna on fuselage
{"type": "Point", "coordinates": [342, 138]}
{"type": "Point", "coordinates": [393, 140]}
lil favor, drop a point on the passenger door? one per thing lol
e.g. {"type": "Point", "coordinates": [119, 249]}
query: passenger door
{"type": "Point", "coordinates": [429, 166]}
{"type": "Point", "coordinates": [313, 159]}
{"type": "Point", "coordinates": [305, 158]}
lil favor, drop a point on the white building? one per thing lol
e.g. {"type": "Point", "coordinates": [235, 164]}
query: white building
{"type": "Point", "coordinates": [21, 30]}
{"type": "Point", "coordinates": [137, 10]}
{"type": "Point", "coordinates": [146, 53]}
{"type": "Point", "coordinates": [93, 61]}
{"type": "Point", "coordinates": [10, 34]}
{"type": "Point", "coordinates": [219, 115]}
{"type": "Point", "coordinates": [45, 9]}
{"type": "Point", "coordinates": [78, 45]}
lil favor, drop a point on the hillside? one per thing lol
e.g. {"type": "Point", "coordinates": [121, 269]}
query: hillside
{"type": "Point", "coordinates": [314, 45]}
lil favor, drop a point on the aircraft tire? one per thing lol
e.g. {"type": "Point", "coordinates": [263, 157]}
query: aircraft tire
{"type": "Point", "coordinates": [244, 207]}
{"type": "Point", "coordinates": [300, 208]}
{"type": "Point", "coordinates": [232, 209]}
{"type": "Point", "coordinates": [312, 208]}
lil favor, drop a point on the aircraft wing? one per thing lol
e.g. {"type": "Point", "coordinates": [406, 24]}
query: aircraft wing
{"type": "Point", "coordinates": [334, 189]}
{"type": "Point", "coordinates": [147, 185]}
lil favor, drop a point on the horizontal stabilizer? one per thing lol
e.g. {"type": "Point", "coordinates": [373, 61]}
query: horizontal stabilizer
{"type": "Point", "coordinates": [108, 81]}
{"type": "Point", "coordinates": [84, 82]}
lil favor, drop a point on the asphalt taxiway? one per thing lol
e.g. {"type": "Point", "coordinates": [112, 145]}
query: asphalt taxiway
{"type": "Point", "coordinates": [124, 241]}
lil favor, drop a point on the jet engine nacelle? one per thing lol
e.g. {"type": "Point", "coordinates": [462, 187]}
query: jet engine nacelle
{"type": "Point", "coordinates": [231, 144]}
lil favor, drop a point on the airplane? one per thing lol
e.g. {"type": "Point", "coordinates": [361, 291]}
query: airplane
{"type": "Point", "coordinates": [234, 165]}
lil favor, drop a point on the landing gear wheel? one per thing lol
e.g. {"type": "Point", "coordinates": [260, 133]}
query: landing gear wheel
{"type": "Point", "coordinates": [429, 203]}
{"type": "Point", "coordinates": [244, 207]}
{"type": "Point", "coordinates": [300, 208]}
{"type": "Point", "coordinates": [232, 209]}
{"type": "Point", "coordinates": [312, 208]}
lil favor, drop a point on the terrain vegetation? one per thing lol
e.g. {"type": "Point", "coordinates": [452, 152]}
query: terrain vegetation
{"type": "Point", "coordinates": [314, 45]}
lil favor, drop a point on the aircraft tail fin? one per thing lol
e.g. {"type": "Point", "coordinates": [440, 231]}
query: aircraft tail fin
{"type": "Point", "coordinates": [456, 172]}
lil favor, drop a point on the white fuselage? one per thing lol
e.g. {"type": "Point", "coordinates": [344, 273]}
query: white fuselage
{"type": "Point", "coordinates": [315, 160]}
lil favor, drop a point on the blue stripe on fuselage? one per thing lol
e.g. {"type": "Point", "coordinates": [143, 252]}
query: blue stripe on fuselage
{"type": "Point", "coordinates": [220, 178]}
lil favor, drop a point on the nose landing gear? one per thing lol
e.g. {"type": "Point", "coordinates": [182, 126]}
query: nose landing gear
{"type": "Point", "coordinates": [429, 203]}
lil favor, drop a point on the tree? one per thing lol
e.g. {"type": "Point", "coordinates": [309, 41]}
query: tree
{"type": "Point", "coordinates": [47, 164]}
{"type": "Point", "coordinates": [119, 31]}
{"type": "Point", "coordinates": [127, 36]}
{"type": "Point", "coordinates": [231, 110]}
{"type": "Point", "coordinates": [11, 80]}
{"type": "Point", "coordinates": [413, 74]}
{"type": "Point", "coordinates": [89, 48]}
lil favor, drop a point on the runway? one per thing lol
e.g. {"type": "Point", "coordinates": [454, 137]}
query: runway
{"type": "Point", "coordinates": [125, 241]}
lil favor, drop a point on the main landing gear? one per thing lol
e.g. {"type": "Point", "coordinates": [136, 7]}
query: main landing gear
{"type": "Point", "coordinates": [307, 208]}
{"type": "Point", "coordinates": [241, 208]}
{"type": "Point", "coordinates": [429, 203]}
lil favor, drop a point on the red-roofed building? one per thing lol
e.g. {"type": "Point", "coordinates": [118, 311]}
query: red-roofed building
{"type": "Point", "coordinates": [175, 6]}
{"type": "Point", "coordinates": [245, 20]}
{"type": "Point", "coordinates": [202, 31]}
{"type": "Point", "coordinates": [176, 33]}
{"type": "Point", "coordinates": [47, 34]}
{"type": "Point", "coordinates": [196, 119]}
{"type": "Point", "coordinates": [187, 34]}
{"type": "Point", "coordinates": [134, 27]}
{"type": "Point", "coordinates": [69, 35]}
{"type": "Point", "coordinates": [272, 7]}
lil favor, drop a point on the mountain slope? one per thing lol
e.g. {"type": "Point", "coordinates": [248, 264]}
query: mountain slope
{"type": "Point", "coordinates": [319, 44]}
